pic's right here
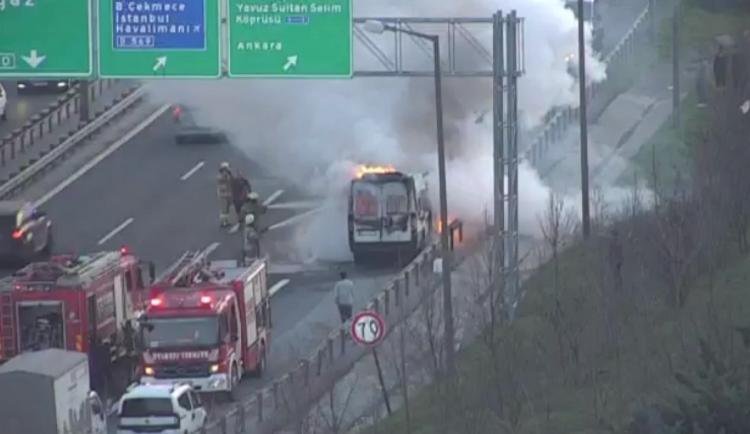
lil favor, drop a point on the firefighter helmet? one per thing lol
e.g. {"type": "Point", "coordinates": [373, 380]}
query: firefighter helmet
{"type": "Point", "coordinates": [252, 196]}
{"type": "Point", "coordinates": [224, 166]}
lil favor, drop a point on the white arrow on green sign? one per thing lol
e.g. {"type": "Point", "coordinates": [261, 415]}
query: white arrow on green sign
{"type": "Point", "coordinates": [159, 38]}
{"type": "Point", "coordinates": [45, 38]}
{"type": "Point", "coordinates": [290, 38]}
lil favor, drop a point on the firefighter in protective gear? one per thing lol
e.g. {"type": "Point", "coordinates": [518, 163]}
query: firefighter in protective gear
{"type": "Point", "coordinates": [250, 239]}
{"type": "Point", "coordinates": [252, 206]}
{"type": "Point", "coordinates": [224, 192]}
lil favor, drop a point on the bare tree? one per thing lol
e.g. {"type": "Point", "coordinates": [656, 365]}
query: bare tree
{"type": "Point", "coordinates": [556, 224]}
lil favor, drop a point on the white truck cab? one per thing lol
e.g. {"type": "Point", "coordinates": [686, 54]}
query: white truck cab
{"type": "Point", "coordinates": [164, 409]}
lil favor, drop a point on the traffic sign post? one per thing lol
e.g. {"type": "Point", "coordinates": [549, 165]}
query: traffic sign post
{"type": "Point", "coordinates": [45, 38]}
{"type": "Point", "coordinates": [368, 329]}
{"type": "Point", "coordinates": [159, 39]}
{"type": "Point", "coordinates": [300, 38]}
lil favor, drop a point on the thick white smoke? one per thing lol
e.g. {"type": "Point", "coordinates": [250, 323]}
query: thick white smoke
{"type": "Point", "coordinates": [314, 131]}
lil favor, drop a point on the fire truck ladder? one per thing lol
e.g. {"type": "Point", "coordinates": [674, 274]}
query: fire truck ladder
{"type": "Point", "coordinates": [182, 272]}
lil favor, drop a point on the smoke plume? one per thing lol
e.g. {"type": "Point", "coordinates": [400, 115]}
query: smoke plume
{"type": "Point", "coordinates": [314, 131]}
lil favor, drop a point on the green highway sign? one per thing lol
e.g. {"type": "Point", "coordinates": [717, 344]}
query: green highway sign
{"type": "Point", "coordinates": [159, 38]}
{"type": "Point", "coordinates": [45, 38]}
{"type": "Point", "coordinates": [290, 38]}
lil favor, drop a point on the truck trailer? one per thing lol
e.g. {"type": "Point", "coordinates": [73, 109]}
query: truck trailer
{"type": "Point", "coordinates": [47, 392]}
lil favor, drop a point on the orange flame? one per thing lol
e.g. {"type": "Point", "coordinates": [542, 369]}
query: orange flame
{"type": "Point", "coordinates": [364, 169]}
{"type": "Point", "coordinates": [439, 224]}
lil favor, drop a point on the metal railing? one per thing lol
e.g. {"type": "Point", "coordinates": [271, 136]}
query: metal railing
{"type": "Point", "coordinates": [61, 110]}
{"type": "Point", "coordinates": [563, 118]}
{"type": "Point", "coordinates": [290, 396]}
{"type": "Point", "coordinates": [56, 151]}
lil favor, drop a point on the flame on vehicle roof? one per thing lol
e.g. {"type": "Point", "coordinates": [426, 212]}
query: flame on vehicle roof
{"type": "Point", "coordinates": [364, 169]}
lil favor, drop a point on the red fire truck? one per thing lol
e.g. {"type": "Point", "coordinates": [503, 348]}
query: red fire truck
{"type": "Point", "coordinates": [69, 300]}
{"type": "Point", "coordinates": [207, 324]}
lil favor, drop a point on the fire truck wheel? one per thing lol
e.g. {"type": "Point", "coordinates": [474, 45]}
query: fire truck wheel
{"type": "Point", "coordinates": [234, 384]}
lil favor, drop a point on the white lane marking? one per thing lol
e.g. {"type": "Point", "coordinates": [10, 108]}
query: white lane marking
{"type": "Point", "coordinates": [234, 228]}
{"type": "Point", "coordinates": [98, 159]}
{"type": "Point", "coordinates": [273, 197]}
{"type": "Point", "coordinates": [190, 172]}
{"type": "Point", "coordinates": [294, 219]}
{"type": "Point", "coordinates": [299, 204]}
{"type": "Point", "coordinates": [277, 287]}
{"type": "Point", "coordinates": [116, 230]}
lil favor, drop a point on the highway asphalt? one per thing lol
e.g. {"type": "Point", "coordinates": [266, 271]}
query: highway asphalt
{"type": "Point", "coordinates": [21, 107]}
{"type": "Point", "coordinates": [159, 199]}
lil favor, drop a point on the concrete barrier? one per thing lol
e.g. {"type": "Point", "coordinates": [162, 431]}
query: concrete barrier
{"type": "Point", "coordinates": [49, 157]}
{"type": "Point", "coordinates": [44, 122]}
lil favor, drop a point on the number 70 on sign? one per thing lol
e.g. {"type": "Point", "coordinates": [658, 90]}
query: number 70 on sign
{"type": "Point", "coordinates": [368, 328]}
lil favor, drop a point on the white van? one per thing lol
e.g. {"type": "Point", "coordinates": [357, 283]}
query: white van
{"type": "Point", "coordinates": [389, 212]}
{"type": "Point", "coordinates": [165, 409]}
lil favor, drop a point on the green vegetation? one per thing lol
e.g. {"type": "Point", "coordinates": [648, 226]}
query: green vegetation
{"type": "Point", "coordinates": [604, 398]}
{"type": "Point", "coordinates": [699, 27]}
{"type": "Point", "coordinates": [670, 149]}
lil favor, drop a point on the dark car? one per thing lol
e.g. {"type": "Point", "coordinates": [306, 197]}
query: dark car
{"type": "Point", "coordinates": [199, 135]}
{"type": "Point", "coordinates": [189, 132]}
{"type": "Point", "coordinates": [25, 232]}
{"type": "Point", "coordinates": [44, 86]}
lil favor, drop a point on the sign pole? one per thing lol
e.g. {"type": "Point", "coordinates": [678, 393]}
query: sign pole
{"type": "Point", "coordinates": [382, 383]}
{"type": "Point", "coordinates": [368, 329]}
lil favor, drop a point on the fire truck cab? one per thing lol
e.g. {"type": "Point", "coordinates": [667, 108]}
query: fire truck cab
{"type": "Point", "coordinates": [389, 212]}
{"type": "Point", "coordinates": [207, 324]}
{"type": "Point", "coordinates": [70, 301]}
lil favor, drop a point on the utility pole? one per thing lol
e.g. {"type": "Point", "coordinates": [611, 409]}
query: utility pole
{"type": "Point", "coordinates": [84, 100]}
{"type": "Point", "coordinates": [585, 218]}
{"type": "Point", "coordinates": [450, 347]}
{"type": "Point", "coordinates": [676, 66]}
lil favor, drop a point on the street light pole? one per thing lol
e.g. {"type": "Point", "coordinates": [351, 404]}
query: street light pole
{"type": "Point", "coordinates": [449, 338]}
{"type": "Point", "coordinates": [585, 217]}
{"type": "Point", "coordinates": [450, 363]}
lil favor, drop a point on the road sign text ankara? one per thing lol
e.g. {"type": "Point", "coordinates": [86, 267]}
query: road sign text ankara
{"type": "Point", "coordinates": [290, 38]}
{"type": "Point", "coordinates": [45, 38]}
{"type": "Point", "coordinates": [159, 38]}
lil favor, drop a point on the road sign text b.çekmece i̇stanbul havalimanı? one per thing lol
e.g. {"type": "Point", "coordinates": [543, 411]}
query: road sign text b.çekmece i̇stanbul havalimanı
{"type": "Point", "coordinates": [45, 38]}
{"type": "Point", "coordinates": [159, 38]}
{"type": "Point", "coordinates": [294, 38]}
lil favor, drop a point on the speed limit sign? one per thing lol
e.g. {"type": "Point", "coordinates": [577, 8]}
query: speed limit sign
{"type": "Point", "coordinates": [368, 328]}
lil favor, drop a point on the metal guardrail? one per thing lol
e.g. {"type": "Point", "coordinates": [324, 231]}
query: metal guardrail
{"type": "Point", "coordinates": [60, 149]}
{"type": "Point", "coordinates": [563, 118]}
{"type": "Point", "coordinates": [39, 124]}
{"type": "Point", "coordinates": [274, 406]}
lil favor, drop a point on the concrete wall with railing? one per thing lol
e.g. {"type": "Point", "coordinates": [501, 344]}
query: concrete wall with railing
{"type": "Point", "coordinates": [63, 109]}
{"type": "Point", "coordinates": [599, 94]}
